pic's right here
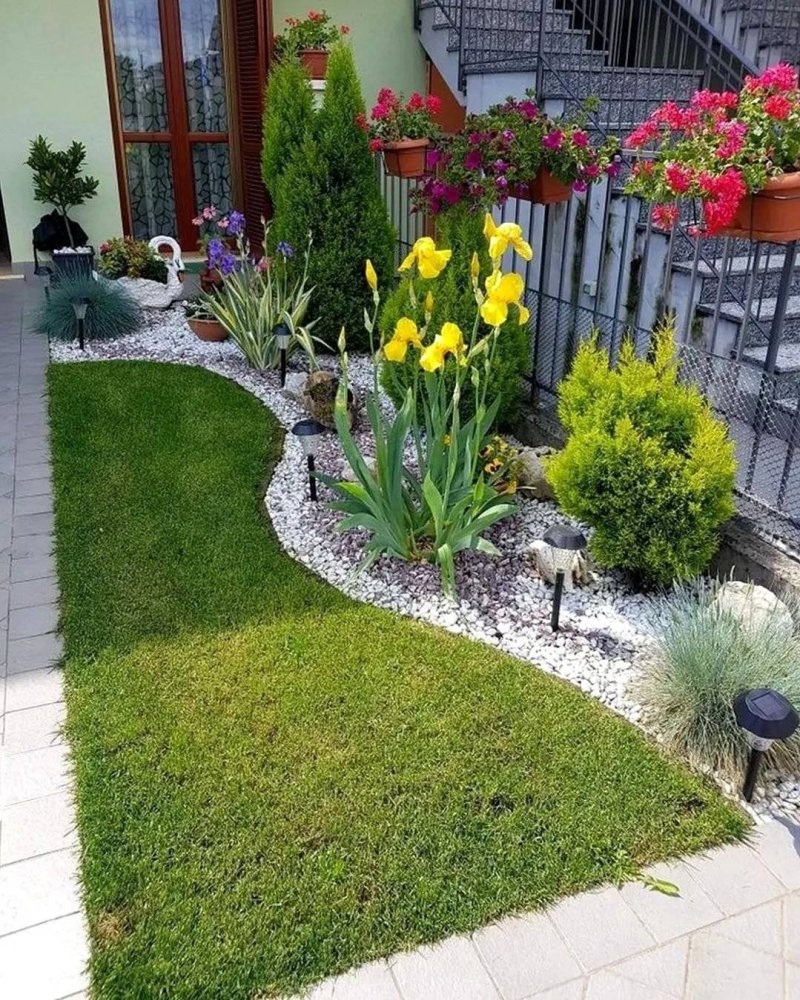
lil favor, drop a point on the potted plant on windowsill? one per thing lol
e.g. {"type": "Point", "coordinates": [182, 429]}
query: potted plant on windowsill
{"type": "Point", "coordinates": [309, 38]}
{"type": "Point", "coordinates": [402, 131]}
{"type": "Point", "coordinates": [203, 323]}
{"type": "Point", "coordinates": [514, 150]}
{"type": "Point", "coordinates": [737, 153]}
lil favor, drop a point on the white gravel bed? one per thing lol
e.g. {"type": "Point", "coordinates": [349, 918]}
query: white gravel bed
{"type": "Point", "coordinates": [604, 625]}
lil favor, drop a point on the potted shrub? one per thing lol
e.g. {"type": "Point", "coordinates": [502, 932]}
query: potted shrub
{"type": "Point", "coordinates": [203, 323]}
{"type": "Point", "coordinates": [514, 150]}
{"type": "Point", "coordinates": [57, 181]}
{"type": "Point", "coordinates": [402, 131]}
{"type": "Point", "coordinates": [140, 270]}
{"type": "Point", "coordinates": [216, 234]}
{"type": "Point", "coordinates": [737, 153]}
{"type": "Point", "coordinates": [309, 38]}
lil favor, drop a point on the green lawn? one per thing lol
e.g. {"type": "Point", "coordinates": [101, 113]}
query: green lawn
{"type": "Point", "coordinates": [274, 782]}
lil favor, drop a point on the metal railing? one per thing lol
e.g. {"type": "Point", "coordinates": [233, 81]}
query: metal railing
{"type": "Point", "coordinates": [765, 30]}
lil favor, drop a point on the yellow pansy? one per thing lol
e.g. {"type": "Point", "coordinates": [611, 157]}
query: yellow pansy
{"type": "Point", "coordinates": [502, 291]}
{"type": "Point", "coordinates": [449, 341]}
{"type": "Point", "coordinates": [372, 277]}
{"type": "Point", "coordinates": [430, 261]}
{"type": "Point", "coordinates": [405, 333]}
{"type": "Point", "coordinates": [507, 234]}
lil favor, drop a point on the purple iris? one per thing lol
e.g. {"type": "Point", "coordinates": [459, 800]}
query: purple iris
{"type": "Point", "coordinates": [285, 249]}
{"type": "Point", "coordinates": [216, 251]}
{"type": "Point", "coordinates": [236, 223]}
{"type": "Point", "coordinates": [227, 264]}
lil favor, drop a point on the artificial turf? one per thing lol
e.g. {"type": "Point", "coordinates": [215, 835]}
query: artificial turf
{"type": "Point", "coordinates": [274, 782]}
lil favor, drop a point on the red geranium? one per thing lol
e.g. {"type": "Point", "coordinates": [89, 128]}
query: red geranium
{"type": "Point", "coordinates": [394, 119]}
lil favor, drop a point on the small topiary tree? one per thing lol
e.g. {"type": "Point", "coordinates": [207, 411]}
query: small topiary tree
{"type": "Point", "coordinates": [329, 188]}
{"type": "Point", "coordinates": [288, 120]}
{"type": "Point", "coordinates": [454, 302]}
{"type": "Point", "coordinates": [57, 177]}
{"type": "Point", "coordinates": [646, 464]}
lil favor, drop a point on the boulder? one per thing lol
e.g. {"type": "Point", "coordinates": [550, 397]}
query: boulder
{"type": "Point", "coordinates": [542, 557]}
{"type": "Point", "coordinates": [319, 397]}
{"type": "Point", "coordinates": [295, 385]}
{"type": "Point", "coordinates": [754, 606]}
{"type": "Point", "coordinates": [531, 475]}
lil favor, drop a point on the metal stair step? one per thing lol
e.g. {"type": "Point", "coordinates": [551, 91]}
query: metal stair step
{"type": "Point", "coordinates": [737, 278]}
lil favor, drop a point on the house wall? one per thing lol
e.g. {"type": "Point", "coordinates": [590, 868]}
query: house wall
{"type": "Point", "coordinates": [385, 44]}
{"type": "Point", "coordinates": [53, 82]}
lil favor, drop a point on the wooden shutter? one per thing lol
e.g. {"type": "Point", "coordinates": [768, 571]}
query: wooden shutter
{"type": "Point", "coordinates": [252, 49]}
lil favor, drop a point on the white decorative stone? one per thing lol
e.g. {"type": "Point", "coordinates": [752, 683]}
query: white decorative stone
{"type": "Point", "coordinates": [754, 606]}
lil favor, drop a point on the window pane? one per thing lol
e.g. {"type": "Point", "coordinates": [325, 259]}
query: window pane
{"type": "Point", "coordinates": [212, 175]}
{"type": "Point", "coordinates": [203, 66]}
{"type": "Point", "coordinates": [150, 189]}
{"type": "Point", "coordinates": [140, 65]}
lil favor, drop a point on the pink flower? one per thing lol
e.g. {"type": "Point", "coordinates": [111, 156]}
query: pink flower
{"type": "Point", "coordinates": [665, 216]}
{"type": "Point", "coordinates": [580, 186]}
{"type": "Point", "coordinates": [209, 212]}
{"type": "Point", "coordinates": [780, 77]}
{"type": "Point", "coordinates": [678, 177]}
{"type": "Point", "coordinates": [416, 102]}
{"type": "Point", "coordinates": [592, 171]}
{"type": "Point", "coordinates": [434, 104]}
{"type": "Point", "coordinates": [778, 106]}
{"type": "Point", "coordinates": [642, 134]}
{"type": "Point", "coordinates": [553, 140]}
{"type": "Point", "coordinates": [198, 220]}
{"type": "Point", "coordinates": [376, 145]}
{"type": "Point", "coordinates": [223, 223]}
{"type": "Point", "coordinates": [580, 138]}
{"type": "Point", "coordinates": [712, 100]}
{"type": "Point", "coordinates": [472, 161]}
{"type": "Point", "coordinates": [264, 264]}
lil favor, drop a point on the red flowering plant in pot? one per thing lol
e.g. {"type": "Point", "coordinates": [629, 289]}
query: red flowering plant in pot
{"type": "Point", "coordinates": [310, 37]}
{"type": "Point", "coordinates": [402, 130]}
{"type": "Point", "coordinates": [738, 154]}
{"type": "Point", "coordinates": [514, 150]}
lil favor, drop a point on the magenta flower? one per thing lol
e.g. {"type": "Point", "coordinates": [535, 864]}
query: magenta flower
{"type": "Point", "coordinates": [508, 135]}
{"type": "Point", "coordinates": [580, 139]}
{"type": "Point", "coordinates": [553, 140]}
{"type": "Point", "coordinates": [579, 186]}
{"type": "Point", "coordinates": [473, 160]}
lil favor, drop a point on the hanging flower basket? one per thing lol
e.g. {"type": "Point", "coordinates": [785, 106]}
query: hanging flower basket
{"type": "Point", "coordinates": [315, 62]}
{"type": "Point", "coordinates": [406, 158]}
{"type": "Point", "coordinates": [544, 189]}
{"type": "Point", "coordinates": [207, 329]}
{"type": "Point", "coordinates": [771, 214]}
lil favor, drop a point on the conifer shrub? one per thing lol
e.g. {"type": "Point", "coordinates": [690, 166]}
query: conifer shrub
{"type": "Point", "coordinates": [288, 120]}
{"type": "Point", "coordinates": [454, 302]}
{"type": "Point", "coordinates": [646, 463]}
{"type": "Point", "coordinates": [329, 189]}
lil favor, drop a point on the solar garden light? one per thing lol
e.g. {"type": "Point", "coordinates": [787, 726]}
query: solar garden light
{"type": "Point", "coordinates": [309, 433]}
{"type": "Point", "coordinates": [564, 541]}
{"type": "Point", "coordinates": [765, 716]}
{"type": "Point", "coordinates": [80, 306]}
{"type": "Point", "coordinates": [282, 336]}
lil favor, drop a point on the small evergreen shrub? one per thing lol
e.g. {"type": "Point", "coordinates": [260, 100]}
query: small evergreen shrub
{"type": "Point", "coordinates": [288, 119]}
{"type": "Point", "coordinates": [646, 464]}
{"type": "Point", "coordinates": [111, 312]}
{"type": "Point", "coordinates": [454, 302]}
{"type": "Point", "coordinates": [330, 190]}
{"type": "Point", "coordinates": [704, 658]}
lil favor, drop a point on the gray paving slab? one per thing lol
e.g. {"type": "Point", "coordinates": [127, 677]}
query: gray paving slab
{"type": "Point", "coordinates": [442, 972]}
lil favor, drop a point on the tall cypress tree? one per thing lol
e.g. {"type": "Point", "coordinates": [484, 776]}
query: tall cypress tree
{"type": "Point", "coordinates": [288, 120]}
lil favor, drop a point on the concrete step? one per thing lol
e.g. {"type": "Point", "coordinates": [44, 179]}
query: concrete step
{"type": "Point", "coordinates": [731, 315]}
{"type": "Point", "coordinates": [737, 279]}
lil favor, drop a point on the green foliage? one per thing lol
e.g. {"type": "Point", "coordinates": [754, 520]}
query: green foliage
{"type": "Point", "coordinates": [274, 782]}
{"type": "Point", "coordinates": [646, 464]}
{"type": "Point", "coordinates": [111, 312]}
{"type": "Point", "coordinates": [57, 176]}
{"type": "Point", "coordinates": [252, 301]}
{"type": "Point", "coordinates": [288, 119]}
{"type": "Point", "coordinates": [125, 257]}
{"type": "Point", "coordinates": [454, 302]}
{"type": "Point", "coordinates": [330, 189]}
{"type": "Point", "coordinates": [704, 658]}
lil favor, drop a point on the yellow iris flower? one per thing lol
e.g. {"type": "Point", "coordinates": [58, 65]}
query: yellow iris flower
{"type": "Point", "coordinates": [502, 291]}
{"type": "Point", "coordinates": [507, 234]}
{"type": "Point", "coordinates": [405, 333]}
{"type": "Point", "coordinates": [371, 276]}
{"type": "Point", "coordinates": [449, 341]}
{"type": "Point", "coordinates": [430, 261]}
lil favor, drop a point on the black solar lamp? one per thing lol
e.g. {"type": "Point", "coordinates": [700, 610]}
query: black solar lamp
{"type": "Point", "coordinates": [765, 716]}
{"type": "Point", "coordinates": [565, 541]}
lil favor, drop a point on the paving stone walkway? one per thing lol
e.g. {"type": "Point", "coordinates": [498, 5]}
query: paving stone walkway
{"type": "Point", "coordinates": [734, 933]}
{"type": "Point", "coordinates": [43, 946]}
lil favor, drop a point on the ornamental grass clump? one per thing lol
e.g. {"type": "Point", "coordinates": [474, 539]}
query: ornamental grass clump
{"type": "Point", "coordinates": [646, 463]}
{"type": "Point", "coordinates": [719, 149]}
{"type": "Point", "coordinates": [438, 500]}
{"type": "Point", "coordinates": [110, 313]}
{"type": "Point", "coordinates": [704, 657]}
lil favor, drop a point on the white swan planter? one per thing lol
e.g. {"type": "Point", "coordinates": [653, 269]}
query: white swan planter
{"type": "Point", "coordinates": [153, 294]}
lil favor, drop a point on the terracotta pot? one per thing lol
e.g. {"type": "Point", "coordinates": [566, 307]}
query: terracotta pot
{"type": "Point", "coordinates": [544, 189]}
{"type": "Point", "coordinates": [315, 62]}
{"type": "Point", "coordinates": [207, 329]}
{"type": "Point", "coordinates": [210, 280]}
{"type": "Point", "coordinates": [771, 214]}
{"type": "Point", "coordinates": [406, 158]}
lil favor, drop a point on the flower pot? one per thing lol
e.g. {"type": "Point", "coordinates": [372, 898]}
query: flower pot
{"type": "Point", "coordinates": [544, 189]}
{"type": "Point", "coordinates": [771, 214]}
{"type": "Point", "coordinates": [210, 280]}
{"type": "Point", "coordinates": [406, 158]}
{"type": "Point", "coordinates": [207, 329]}
{"type": "Point", "coordinates": [315, 62]}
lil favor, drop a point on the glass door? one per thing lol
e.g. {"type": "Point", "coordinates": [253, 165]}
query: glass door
{"type": "Point", "coordinates": [172, 113]}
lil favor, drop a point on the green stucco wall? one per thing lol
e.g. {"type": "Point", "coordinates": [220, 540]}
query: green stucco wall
{"type": "Point", "coordinates": [53, 82]}
{"type": "Point", "coordinates": [385, 44]}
